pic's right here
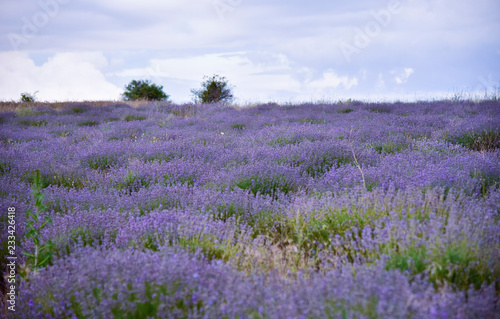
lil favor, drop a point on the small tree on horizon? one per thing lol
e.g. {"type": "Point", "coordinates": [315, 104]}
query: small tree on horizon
{"type": "Point", "coordinates": [143, 89]}
{"type": "Point", "coordinates": [214, 89]}
{"type": "Point", "coordinates": [27, 97]}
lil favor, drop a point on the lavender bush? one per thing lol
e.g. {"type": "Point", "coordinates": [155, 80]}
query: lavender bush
{"type": "Point", "coordinates": [349, 210]}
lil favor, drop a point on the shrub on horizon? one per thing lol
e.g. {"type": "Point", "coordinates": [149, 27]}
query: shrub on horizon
{"type": "Point", "coordinates": [144, 90]}
{"type": "Point", "coordinates": [27, 97]}
{"type": "Point", "coordinates": [215, 89]}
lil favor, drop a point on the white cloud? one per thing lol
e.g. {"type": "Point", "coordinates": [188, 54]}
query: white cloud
{"type": "Point", "coordinates": [331, 80]}
{"type": "Point", "coordinates": [380, 82]}
{"type": "Point", "coordinates": [65, 76]}
{"type": "Point", "coordinates": [402, 76]}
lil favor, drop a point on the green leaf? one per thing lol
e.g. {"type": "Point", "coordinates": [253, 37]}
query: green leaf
{"type": "Point", "coordinates": [31, 232]}
{"type": "Point", "coordinates": [47, 220]}
{"type": "Point", "coordinates": [41, 263]}
{"type": "Point", "coordinates": [35, 217]}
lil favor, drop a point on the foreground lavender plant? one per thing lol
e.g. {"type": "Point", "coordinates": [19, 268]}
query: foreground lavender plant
{"type": "Point", "coordinates": [35, 259]}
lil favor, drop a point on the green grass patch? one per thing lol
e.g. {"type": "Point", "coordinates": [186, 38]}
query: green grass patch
{"type": "Point", "coordinates": [210, 246]}
{"type": "Point", "coordinates": [312, 121]}
{"type": "Point", "coordinates": [113, 119]}
{"type": "Point", "coordinates": [224, 211]}
{"type": "Point", "coordinates": [261, 221]}
{"type": "Point", "coordinates": [316, 231]}
{"type": "Point", "coordinates": [379, 109]}
{"type": "Point", "coordinates": [487, 140]}
{"type": "Point", "coordinates": [79, 109]}
{"type": "Point", "coordinates": [65, 133]}
{"type": "Point", "coordinates": [388, 148]}
{"type": "Point", "coordinates": [62, 246]}
{"type": "Point", "coordinates": [183, 305]}
{"type": "Point", "coordinates": [417, 136]}
{"type": "Point", "coordinates": [316, 165]}
{"type": "Point", "coordinates": [413, 259]}
{"type": "Point", "coordinates": [85, 236]}
{"type": "Point", "coordinates": [487, 181]}
{"type": "Point", "coordinates": [283, 141]}
{"type": "Point", "coordinates": [181, 179]}
{"type": "Point", "coordinates": [324, 163]}
{"type": "Point", "coordinates": [71, 181]}
{"type": "Point", "coordinates": [88, 123]}
{"type": "Point", "coordinates": [345, 110]}
{"type": "Point", "coordinates": [240, 127]}
{"type": "Point", "coordinates": [187, 113]}
{"type": "Point", "coordinates": [101, 163]}
{"type": "Point", "coordinates": [339, 308]}
{"type": "Point", "coordinates": [131, 183]}
{"type": "Point", "coordinates": [5, 167]}
{"type": "Point", "coordinates": [59, 206]}
{"type": "Point", "coordinates": [271, 186]}
{"type": "Point", "coordinates": [130, 118]}
{"type": "Point", "coordinates": [313, 232]}
{"type": "Point", "coordinates": [26, 111]}
{"type": "Point", "coordinates": [159, 157]}
{"type": "Point", "coordinates": [457, 264]}
{"type": "Point", "coordinates": [33, 123]}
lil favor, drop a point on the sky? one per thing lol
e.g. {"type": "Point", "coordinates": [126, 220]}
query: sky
{"type": "Point", "coordinates": [268, 51]}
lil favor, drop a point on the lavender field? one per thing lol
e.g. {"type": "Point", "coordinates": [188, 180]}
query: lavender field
{"type": "Point", "coordinates": [348, 210]}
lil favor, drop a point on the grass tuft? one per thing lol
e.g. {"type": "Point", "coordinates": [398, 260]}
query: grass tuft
{"type": "Point", "coordinates": [487, 140]}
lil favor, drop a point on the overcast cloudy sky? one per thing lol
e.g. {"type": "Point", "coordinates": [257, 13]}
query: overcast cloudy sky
{"type": "Point", "coordinates": [274, 50]}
